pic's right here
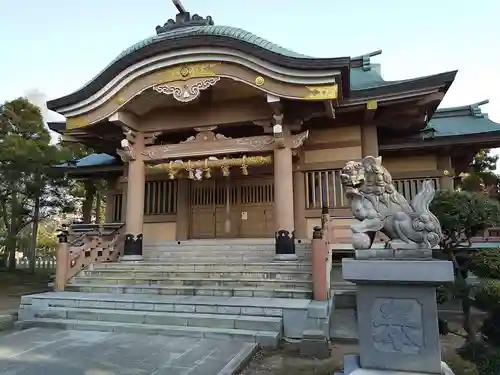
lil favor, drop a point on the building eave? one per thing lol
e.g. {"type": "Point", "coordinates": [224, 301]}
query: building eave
{"type": "Point", "coordinates": [163, 46]}
{"type": "Point", "coordinates": [90, 171]}
{"type": "Point", "coordinates": [442, 81]}
{"type": "Point", "coordinates": [489, 140]}
{"type": "Point", "coordinates": [463, 110]}
{"type": "Point", "coordinates": [57, 126]}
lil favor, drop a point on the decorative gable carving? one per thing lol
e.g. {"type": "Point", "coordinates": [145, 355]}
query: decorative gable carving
{"type": "Point", "coordinates": [186, 91]}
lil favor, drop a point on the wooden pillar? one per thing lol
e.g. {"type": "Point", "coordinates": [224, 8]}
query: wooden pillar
{"type": "Point", "coordinates": [320, 268]}
{"type": "Point", "coordinates": [109, 208]}
{"type": "Point", "coordinates": [183, 210]}
{"type": "Point", "coordinates": [98, 201]}
{"type": "Point", "coordinates": [62, 262]}
{"type": "Point", "coordinates": [299, 205]}
{"type": "Point", "coordinates": [134, 214]}
{"type": "Point", "coordinates": [89, 200]}
{"type": "Point", "coordinates": [283, 204]}
{"type": "Point", "coordinates": [123, 188]}
{"type": "Point", "coordinates": [369, 140]}
{"type": "Point", "coordinates": [446, 168]}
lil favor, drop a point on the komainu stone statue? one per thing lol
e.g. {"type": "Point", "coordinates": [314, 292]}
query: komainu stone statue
{"type": "Point", "coordinates": [378, 206]}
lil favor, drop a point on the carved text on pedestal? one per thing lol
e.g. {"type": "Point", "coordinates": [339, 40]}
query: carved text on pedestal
{"type": "Point", "coordinates": [397, 325]}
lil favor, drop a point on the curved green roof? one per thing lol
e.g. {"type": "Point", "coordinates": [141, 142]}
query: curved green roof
{"type": "Point", "coordinates": [227, 31]}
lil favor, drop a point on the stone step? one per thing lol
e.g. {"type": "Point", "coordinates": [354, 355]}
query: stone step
{"type": "Point", "coordinates": [222, 247]}
{"type": "Point", "coordinates": [342, 285]}
{"type": "Point", "coordinates": [219, 249]}
{"type": "Point", "coordinates": [258, 306]}
{"type": "Point", "coordinates": [228, 257]}
{"type": "Point", "coordinates": [193, 282]}
{"type": "Point", "coordinates": [296, 315]}
{"type": "Point", "coordinates": [253, 274]}
{"type": "Point", "coordinates": [344, 298]}
{"type": "Point", "coordinates": [246, 322]}
{"type": "Point", "coordinates": [264, 338]}
{"type": "Point", "coordinates": [193, 265]}
{"type": "Point", "coordinates": [219, 291]}
{"type": "Point", "coordinates": [248, 242]}
{"type": "Point", "coordinates": [212, 258]}
{"type": "Point", "coordinates": [344, 326]}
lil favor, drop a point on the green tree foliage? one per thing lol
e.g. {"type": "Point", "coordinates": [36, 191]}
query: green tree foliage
{"type": "Point", "coordinates": [464, 215]}
{"type": "Point", "coordinates": [482, 176]}
{"type": "Point", "coordinates": [27, 158]}
{"type": "Point", "coordinates": [46, 239]}
{"type": "Point", "coordinates": [485, 351]}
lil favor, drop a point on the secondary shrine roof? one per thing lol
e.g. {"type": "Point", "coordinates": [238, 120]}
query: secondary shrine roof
{"type": "Point", "coordinates": [463, 120]}
{"type": "Point", "coordinates": [91, 160]}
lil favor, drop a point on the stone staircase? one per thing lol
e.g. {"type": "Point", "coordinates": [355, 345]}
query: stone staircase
{"type": "Point", "coordinates": [204, 268]}
{"type": "Point", "coordinates": [192, 288]}
{"type": "Point", "coordinates": [257, 320]}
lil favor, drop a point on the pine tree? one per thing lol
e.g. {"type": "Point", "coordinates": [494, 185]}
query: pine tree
{"type": "Point", "coordinates": [27, 173]}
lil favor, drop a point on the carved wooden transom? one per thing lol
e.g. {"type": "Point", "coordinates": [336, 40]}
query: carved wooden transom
{"type": "Point", "coordinates": [186, 91]}
{"type": "Point", "coordinates": [205, 136]}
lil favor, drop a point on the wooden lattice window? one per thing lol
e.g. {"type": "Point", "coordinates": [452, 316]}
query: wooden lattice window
{"type": "Point", "coordinates": [160, 197]}
{"type": "Point", "coordinates": [323, 188]}
{"type": "Point", "coordinates": [117, 208]}
{"type": "Point", "coordinates": [409, 187]}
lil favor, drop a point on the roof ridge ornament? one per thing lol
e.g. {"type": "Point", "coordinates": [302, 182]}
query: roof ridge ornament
{"type": "Point", "coordinates": [183, 19]}
{"type": "Point", "coordinates": [365, 59]}
{"type": "Point", "coordinates": [475, 108]}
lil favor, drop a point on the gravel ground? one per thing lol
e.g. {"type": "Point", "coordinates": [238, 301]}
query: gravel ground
{"type": "Point", "coordinates": [287, 361]}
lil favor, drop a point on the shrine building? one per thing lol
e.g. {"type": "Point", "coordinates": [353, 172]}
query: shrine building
{"type": "Point", "coordinates": [205, 131]}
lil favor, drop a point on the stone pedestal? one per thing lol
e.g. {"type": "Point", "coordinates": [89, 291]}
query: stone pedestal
{"type": "Point", "coordinates": [397, 314]}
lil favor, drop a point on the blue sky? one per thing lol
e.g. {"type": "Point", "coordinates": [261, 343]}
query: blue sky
{"type": "Point", "coordinates": [56, 46]}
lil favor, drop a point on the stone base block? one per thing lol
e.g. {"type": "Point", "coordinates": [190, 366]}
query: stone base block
{"type": "Point", "coordinates": [351, 367]}
{"type": "Point", "coordinates": [398, 328]}
{"type": "Point", "coordinates": [397, 313]}
{"type": "Point", "coordinates": [397, 271]}
{"type": "Point", "coordinates": [394, 254]}
{"type": "Point", "coordinates": [131, 258]}
{"type": "Point", "coordinates": [314, 344]}
{"type": "Point", "coordinates": [7, 321]}
{"type": "Point", "coordinates": [286, 257]}
{"type": "Point", "coordinates": [314, 317]}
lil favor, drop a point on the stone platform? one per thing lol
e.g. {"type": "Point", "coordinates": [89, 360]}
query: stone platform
{"type": "Point", "coordinates": [225, 289]}
{"type": "Point", "coordinates": [259, 320]}
{"type": "Point", "coordinates": [56, 352]}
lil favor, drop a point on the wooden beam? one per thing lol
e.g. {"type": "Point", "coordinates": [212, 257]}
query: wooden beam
{"type": "Point", "coordinates": [370, 110]}
{"type": "Point", "coordinates": [428, 99]}
{"type": "Point", "coordinates": [219, 113]}
{"type": "Point", "coordinates": [330, 109]}
{"type": "Point", "coordinates": [125, 119]}
{"type": "Point", "coordinates": [275, 104]}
